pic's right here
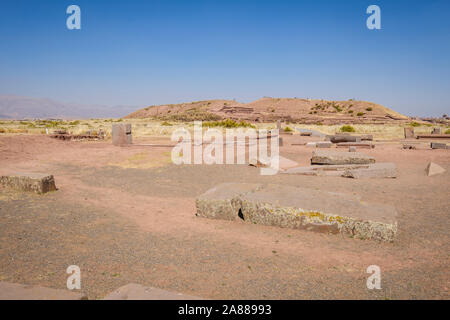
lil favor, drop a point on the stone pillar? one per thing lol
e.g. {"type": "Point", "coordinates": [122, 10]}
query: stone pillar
{"type": "Point", "coordinates": [409, 133]}
{"type": "Point", "coordinates": [279, 125]}
{"type": "Point", "coordinates": [121, 134]}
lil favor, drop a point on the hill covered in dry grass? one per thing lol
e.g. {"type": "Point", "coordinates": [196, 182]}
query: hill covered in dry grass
{"type": "Point", "coordinates": [273, 109]}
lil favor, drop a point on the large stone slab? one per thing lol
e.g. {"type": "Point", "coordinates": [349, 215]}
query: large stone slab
{"type": "Point", "coordinates": [222, 201]}
{"type": "Point", "coordinates": [134, 291]}
{"type": "Point", "coordinates": [336, 157]}
{"type": "Point", "coordinates": [438, 145]}
{"type": "Point", "coordinates": [13, 291]}
{"type": "Point", "coordinates": [32, 182]}
{"type": "Point", "coordinates": [301, 208]}
{"type": "Point", "coordinates": [343, 138]}
{"type": "Point", "coordinates": [356, 171]}
{"type": "Point", "coordinates": [366, 145]}
{"type": "Point", "coordinates": [121, 134]}
{"type": "Point", "coordinates": [374, 170]}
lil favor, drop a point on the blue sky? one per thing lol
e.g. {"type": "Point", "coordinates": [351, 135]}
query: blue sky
{"type": "Point", "coordinates": [142, 53]}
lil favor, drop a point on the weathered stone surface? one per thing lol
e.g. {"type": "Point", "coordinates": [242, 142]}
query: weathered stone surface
{"type": "Point", "coordinates": [366, 137]}
{"type": "Point", "coordinates": [323, 144]}
{"type": "Point", "coordinates": [33, 182]}
{"type": "Point", "coordinates": [306, 134]}
{"type": "Point", "coordinates": [314, 133]}
{"type": "Point", "coordinates": [409, 132]}
{"type": "Point", "coordinates": [336, 157]}
{"type": "Point", "coordinates": [323, 170]}
{"type": "Point", "coordinates": [437, 145]}
{"type": "Point", "coordinates": [344, 138]}
{"type": "Point", "coordinates": [222, 201]}
{"type": "Point", "coordinates": [433, 136]}
{"type": "Point", "coordinates": [433, 169]}
{"type": "Point", "coordinates": [121, 134]}
{"type": "Point", "coordinates": [352, 149]}
{"type": "Point", "coordinates": [134, 291]}
{"type": "Point", "coordinates": [357, 171]}
{"type": "Point", "coordinates": [300, 208]}
{"type": "Point", "coordinates": [366, 145]}
{"type": "Point", "coordinates": [375, 170]}
{"type": "Point", "coordinates": [13, 291]}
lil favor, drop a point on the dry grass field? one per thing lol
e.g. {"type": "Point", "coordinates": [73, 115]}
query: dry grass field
{"type": "Point", "coordinates": [155, 128]}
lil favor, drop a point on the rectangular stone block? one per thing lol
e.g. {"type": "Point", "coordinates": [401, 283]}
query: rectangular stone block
{"type": "Point", "coordinates": [121, 134]}
{"type": "Point", "coordinates": [437, 145]}
{"type": "Point", "coordinates": [300, 208]}
{"type": "Point", "coordinates": [375, 170]}
{"type": "Point", "coordinates": [221, 202]}
{"type": "Point", "coordinates": [323, 144]}
{"type": "Point", "coordinates": [344, 138]}
{"type": "Point", "coordinates": [30, 182]}
{"type": "Point", "coordinates": [365, 145]}
{"type": "Point", "coordinates": [336, 157]}
{"type": "Point", "coordinates": [409, 132]}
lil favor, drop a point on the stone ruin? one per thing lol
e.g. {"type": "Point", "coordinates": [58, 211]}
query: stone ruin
{"type": "Point", "coordinates": [88, 135]}
{"type": "Point", "coordinates": [299, 208]}
{"type": "Point", "coordinates": [121, 134]}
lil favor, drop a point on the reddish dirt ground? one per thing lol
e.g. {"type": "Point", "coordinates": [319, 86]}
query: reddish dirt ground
{"type": "Point", "coordinates": [125, 224]}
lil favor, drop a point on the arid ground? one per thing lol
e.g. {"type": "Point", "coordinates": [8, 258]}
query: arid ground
{"type": "Point", "coordinates": [128, 215]}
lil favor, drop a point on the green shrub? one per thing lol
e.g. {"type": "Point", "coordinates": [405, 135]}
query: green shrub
{"type": "Point", "coordinates": [2, 130]}
{"type": "Point", "coordinates": [447, 131]}
{"type": "Point", "coordinates": [350, 111]}
{"type": "Point", "coordinates": [347, 128]}
{"type": "Point", "coordinates": [369, 109]}
{"type": "Point", "coordinates": [287, 129]}
{"type": "Point", "coordinates": [360, 114]}
{"type": "Point", "coordinates": [228, 123]}
{"type": "Point", "coordinates": [414, 124]}
{"type": "Point", "coordinates": [165, 123]}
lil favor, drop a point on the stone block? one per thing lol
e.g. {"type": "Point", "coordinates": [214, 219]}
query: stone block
{"type": "Point", "coordinates": [409, 132]}
{"type": "Point", "coordinates": [344, 138]}
{"type": "Point", "coordinates": [30, 182]}
{"type": "Point", "coordinates": [222, 201]}
{"type": "Point", "coordinates": [434, 169]}
{"type": "Point", "coordinates": [336, 157]}
{"type": "Point", "coordinates": [300, 208]}
{"type": "Point", "coordinates": [13, 291]}
{"type": "Point", "coordinates": [323, 144]}
{"type": "Point", "coordinates": [438, 145]}
{"type": "Point", "coordinates": [352, 149]}
{"type": "Point", "coordinates": [375, 170]}
{"type": "Point", "coordinates": [121, 134]}
{"type": "Point", "coordinates": [365, 145]}
{"type": "Point", "coordinates": [134, 291]}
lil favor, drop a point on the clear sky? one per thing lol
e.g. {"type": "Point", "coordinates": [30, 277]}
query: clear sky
{"type": "Point", "coordinates": [142, 53]}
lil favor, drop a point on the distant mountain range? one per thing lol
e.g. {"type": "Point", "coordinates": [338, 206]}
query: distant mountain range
{"type": "Point", "coordinates": [17, 107]}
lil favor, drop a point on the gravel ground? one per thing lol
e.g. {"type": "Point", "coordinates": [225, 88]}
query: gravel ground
{"type": "Point", "coordinates": [122, 225]}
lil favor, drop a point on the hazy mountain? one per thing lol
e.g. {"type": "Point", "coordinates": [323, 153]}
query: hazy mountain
{"type": "Point", "coordinates": [17, 107]}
